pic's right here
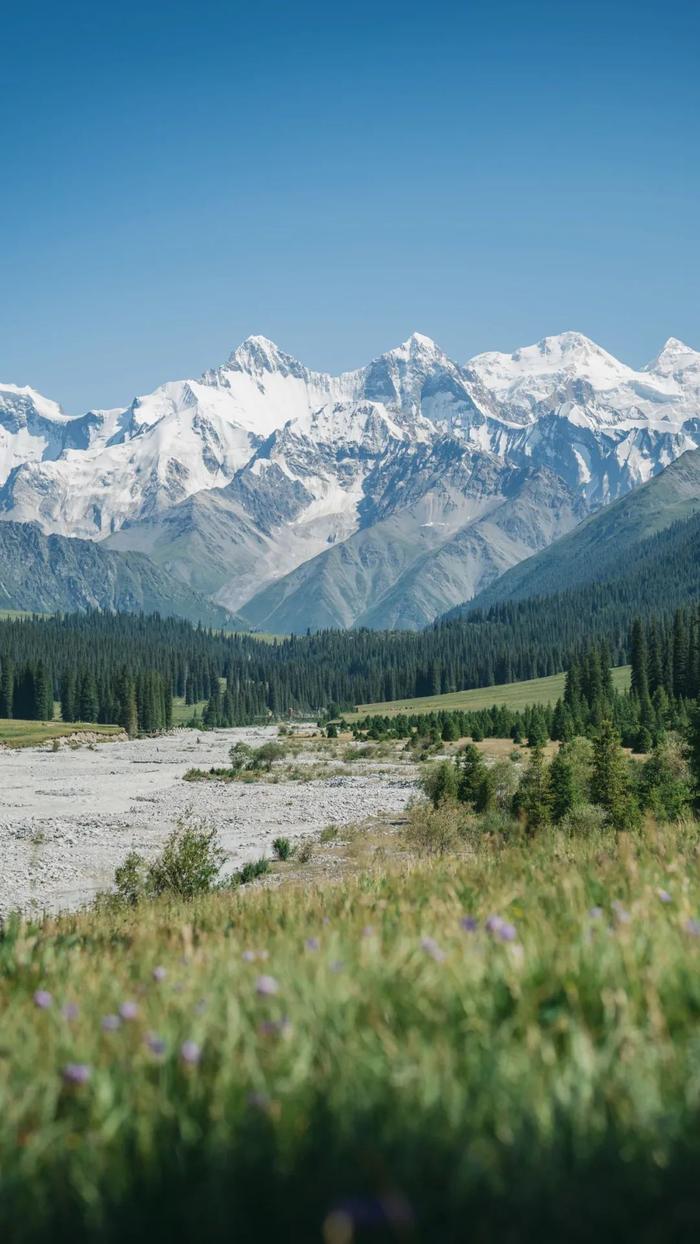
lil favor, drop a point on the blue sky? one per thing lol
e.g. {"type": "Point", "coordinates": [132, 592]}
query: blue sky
{"type": "Point", "coordinates": [178, 175]}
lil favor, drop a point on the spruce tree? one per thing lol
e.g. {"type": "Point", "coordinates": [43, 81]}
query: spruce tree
{"type": "Point", "coordinates": [7, 687]}
{"type": "Point", "coordinates": [533, 799]}
{"type": "Point", "coordinates": [562, 785]}
{"type": "Point", "coordinates": [472, 772]}
{"type": "Point", "coordinates": [610, 785]}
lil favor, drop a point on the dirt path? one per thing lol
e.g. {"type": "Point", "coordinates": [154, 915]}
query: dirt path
{"type": "Point", "coordinates": [68, 818]}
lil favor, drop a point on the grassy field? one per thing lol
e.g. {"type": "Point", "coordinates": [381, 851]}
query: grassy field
{"type": "Point", "coordinates": [373, 1060]}
{"type": "Point", "coordinates": [514, 694]}
{"type": "Point", "coordinates": [14, 733]}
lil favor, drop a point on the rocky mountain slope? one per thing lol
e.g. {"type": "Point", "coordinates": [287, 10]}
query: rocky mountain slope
{"type": "Point", "coordinates": [46, 574]}
{"type": "Point", "coordinates": [380, 497]}
{"type": "Point", "coordinates": [609, 543]}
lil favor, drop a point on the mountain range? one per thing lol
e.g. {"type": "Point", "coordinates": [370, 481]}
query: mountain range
{"type": "Point", "coordinates": [382, 497]}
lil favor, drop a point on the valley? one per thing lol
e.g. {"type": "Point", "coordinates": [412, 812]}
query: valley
{"type": "Point", "coordinates": [68, 818]}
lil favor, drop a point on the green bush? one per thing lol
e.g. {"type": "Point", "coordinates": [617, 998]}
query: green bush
{"type": "Point", "coordinates": [282, 848]}
{"type": "Point", "coordinates": [435, 831]}
{"type": "Point", "coordinates": [440, 782]}
{"type": "Point", "coordinates": [251, 871]}
{"type": "Point", "coordinates": [264, 757]}
{"type": "Point", "coordinates": [189, 864]}
{"type": "Point", "coordinates": [585, 819]}
{"type": "Point", "coordinates": [241, 757]}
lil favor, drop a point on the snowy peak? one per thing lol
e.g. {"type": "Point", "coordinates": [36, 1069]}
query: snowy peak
{"type": "Point", "coordinates": [566, 355]}
{"type": "Point", "coordinates": [24, 402]}
{"type": "Point", "coordinates": [563, 403]}
{"type": "Point", "coordinates": [674, 359]}
{"type": "Point", "coordinates": [258, 355]}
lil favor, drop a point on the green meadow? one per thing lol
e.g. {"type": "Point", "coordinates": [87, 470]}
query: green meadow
{"type": "Point", "coordinates": [514, 695]}
{"type": "Point", "coordinates": [502, 1043]}
{"type": "Point", "coordinates": [15, 733]}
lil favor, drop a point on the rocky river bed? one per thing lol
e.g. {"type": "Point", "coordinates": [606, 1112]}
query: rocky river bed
{"type": "Point", "coordinates": [69, 817]}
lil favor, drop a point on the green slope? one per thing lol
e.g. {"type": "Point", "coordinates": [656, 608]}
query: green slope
{"type": "Point", "coordinates": [514, 694]}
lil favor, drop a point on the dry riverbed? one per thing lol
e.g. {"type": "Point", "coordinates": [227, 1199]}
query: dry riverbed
{"type": "Point", "coordinates": [69, 817]}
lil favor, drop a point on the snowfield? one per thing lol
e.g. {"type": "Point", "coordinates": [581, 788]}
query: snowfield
{"type": "Point", "coordinates": [68, 818]}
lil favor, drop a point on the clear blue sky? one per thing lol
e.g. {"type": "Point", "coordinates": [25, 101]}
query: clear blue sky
{"type": "Point", "coordinates": [178, 175]}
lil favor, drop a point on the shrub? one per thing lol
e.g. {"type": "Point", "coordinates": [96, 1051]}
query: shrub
{"type": "Point", "coordinates": [586, 819]}
{"type": "Point", "coordinates": [440, 783]}
{"type": "Point", "coordinates": [189, 863]}
{"type": "Point", "coordinates": [305, 851]}
{"type": "Point", "coordinates": [282, 848]}
{"type": "Point", "coordinates": [266, 755]}
{"type": "Point", "coordinates": [434, 831]}
{"type": "Point", "coordinates": [251, 871]}
{"type": "Point", "coordinates": [241, 757]}
{"type": "Point", "coordinates": [131, 879]}
{"type": "Point", "coordinates": [503, 778]}
{"type": "Point", "coordinates": [497, 821]}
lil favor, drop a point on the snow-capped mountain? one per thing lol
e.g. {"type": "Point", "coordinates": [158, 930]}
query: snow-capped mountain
{"type": "Point", "coordinates": [383, 495]}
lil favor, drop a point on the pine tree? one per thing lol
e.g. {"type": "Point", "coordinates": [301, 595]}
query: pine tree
{"type": "Point", "coordinates": [533, 799]}
{"type": "Point", "coordinates": [611, 784]}
{"type": "Point", "coordinates": [472, 772]}
{"type": "Point", "coordinates": [7, 687]}
{"type": "Point", "coordinates": [639, 661]}
{"type": "Point", "coordinates": [88, 706]}
{"type": "Point", "coordinates": [127, 711]}
{"type": "Point", "coordinates": [562, 785]}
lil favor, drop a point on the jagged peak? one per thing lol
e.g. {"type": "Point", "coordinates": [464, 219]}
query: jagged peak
{"type": "Point", "coordinates": [259, 351]}
{"type": "Point", "coordinates": [673, 353]}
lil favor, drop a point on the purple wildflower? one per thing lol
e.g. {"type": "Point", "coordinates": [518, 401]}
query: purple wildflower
{"type": "Point", "coordinates": [596, 913]}
{"type": "Point", "coordinates": [249, 956]}
{"type": "Point", "coordinates": [368, 930]}
{"type": "Point", "coordinates": [430, 946]}
{"type": "Point", "coordinates": [129, 1010]}
{"type": "Point", "coordinates": [190, 1053]}
{"type": "Point", "coordinates": [266, 986]}
{"type": "Point", "coordinates": [693, 927]}
{"type": "Point", "coordinates": [664, 896]}
{"type": "Point", "coordinates": [507, 932]}
{"type": "Point", "coordinates": [70, 1010]}
{"type": "Point", "coordinates": [494, 924]}
{"type": "Point", "coordinates": [156, 1044]}
{"type": "Point", "coordinates": [337, 965]}
{"type": "Point", "coordinates": [469, 923]}
{"type": "Point", "coordinates": [110, 1023]}
{"type": "Point", "coordinates": [76, 1073]}
{"type": "Point", "coordinates": [159, 974]}
{"type": "Point", "coordinates": [312, 943]}
{"type": "Point", "coordinates": [43, 999]}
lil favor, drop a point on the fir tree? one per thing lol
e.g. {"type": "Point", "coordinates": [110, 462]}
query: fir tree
{"type": "Point", "coordinates": [611, 784]}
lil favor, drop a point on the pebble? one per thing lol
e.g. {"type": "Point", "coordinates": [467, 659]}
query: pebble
{"type": "Point", "coordinates": [70, 817]}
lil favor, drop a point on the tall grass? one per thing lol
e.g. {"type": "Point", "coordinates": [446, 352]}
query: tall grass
{"type": "Point", "coordinates": [499, 1046]}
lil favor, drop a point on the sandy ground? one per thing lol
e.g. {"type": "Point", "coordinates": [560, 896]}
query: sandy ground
{"type": "Point", "coordinates": [68, 818]}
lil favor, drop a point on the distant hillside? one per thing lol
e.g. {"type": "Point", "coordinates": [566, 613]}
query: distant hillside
{"type": "Point", "coordinates": [611, 544]}
{"type": "Point", "coordinates": [44, 574]}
